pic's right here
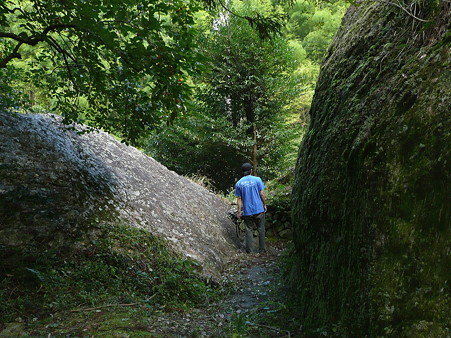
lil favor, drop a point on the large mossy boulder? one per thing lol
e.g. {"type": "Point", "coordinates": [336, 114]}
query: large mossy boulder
{"type": "Point", "coordinates": [60, 187]}
{"type": "Point", "coordinates": [371, 200]}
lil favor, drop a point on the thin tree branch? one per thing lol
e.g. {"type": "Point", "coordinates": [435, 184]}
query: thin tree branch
{"type": "Point", "coordinates": [230, 11]}
{"type": "Point", "coordinates": [18, 38]}
{"type": "Point", "coordinates": [31, 41]}
{"type": "Point", "coordinates": [104, 306]}
{"type": "Point", "coordinates": [14, 55]}
{"type": "Point", "coordinates": [53, 43]}
{"type": "Point", "coordinates": [13, 10]}
{"type": "Point", "coordinates": [65, 54]}
{"type": "Point", "coordinates": [405, 10]}
{"type": "Point", "coordinates": [38, 38]}
{"type": "Point", "coordinates": [68, 46]}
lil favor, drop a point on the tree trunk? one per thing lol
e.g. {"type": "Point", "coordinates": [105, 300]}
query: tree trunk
{"type": "Point", "coordinates": [250, 116]}
{"type": "Point", "coordinates": [254, 148]}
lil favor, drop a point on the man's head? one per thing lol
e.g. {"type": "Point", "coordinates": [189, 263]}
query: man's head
{"type": "Point", "coordinates": [247, 169]}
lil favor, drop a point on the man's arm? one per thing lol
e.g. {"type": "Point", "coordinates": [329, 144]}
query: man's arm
{"type": "Point", "coordinates": [262, 196]}
{"type": "Point", "coordinates": [240, 206]}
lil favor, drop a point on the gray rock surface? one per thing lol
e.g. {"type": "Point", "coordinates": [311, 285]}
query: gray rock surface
{"type": "Point", "coordinates": [57, 184]}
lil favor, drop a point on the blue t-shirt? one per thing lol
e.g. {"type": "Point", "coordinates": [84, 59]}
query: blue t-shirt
{"type": "Point", "coordinates": [248, 188]}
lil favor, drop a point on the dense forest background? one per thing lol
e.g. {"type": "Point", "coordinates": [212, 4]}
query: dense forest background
{"type": "Point", "coordinates": [201, 87]}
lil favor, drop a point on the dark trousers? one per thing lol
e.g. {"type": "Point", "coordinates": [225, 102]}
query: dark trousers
{"type": "Point", "coordinates": [257, 220]}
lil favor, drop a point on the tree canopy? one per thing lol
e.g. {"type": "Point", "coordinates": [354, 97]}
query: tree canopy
{"type": "Point", "coordinates": [119, 65]}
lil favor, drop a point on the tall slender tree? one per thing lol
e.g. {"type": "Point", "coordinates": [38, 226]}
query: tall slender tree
{"type": "Point", "coordinates": [250, 82]}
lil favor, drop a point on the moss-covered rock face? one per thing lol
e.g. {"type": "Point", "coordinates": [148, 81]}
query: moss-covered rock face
{"type": "Point", "coordinates": [371, 203]}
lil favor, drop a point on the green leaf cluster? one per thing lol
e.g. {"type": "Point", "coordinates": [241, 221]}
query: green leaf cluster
{"type": "Point", "coordinates": [121, 63]}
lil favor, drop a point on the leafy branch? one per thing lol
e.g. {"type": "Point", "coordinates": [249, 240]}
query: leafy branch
{"type": "Point", "coordinates": [22, 38]}
{"type": "Point", "coordinates": [13, 55]}
{"type": "Point", "coordinates": [264, 25]}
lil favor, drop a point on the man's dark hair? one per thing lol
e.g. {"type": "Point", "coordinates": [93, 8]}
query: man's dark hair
{"type": "Point", "coordinates": [246, 168]}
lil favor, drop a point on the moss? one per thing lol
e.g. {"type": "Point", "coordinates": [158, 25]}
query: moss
{"type": "Point", "coordinates": [120, 264]}
{"type": "Point", "coordinates": [370, 215]}
{"type": "Point", "coordinates": [114, 321]}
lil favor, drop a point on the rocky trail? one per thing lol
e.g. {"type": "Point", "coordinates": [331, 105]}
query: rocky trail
{"type": "Point", "coordinates": [252, 284]}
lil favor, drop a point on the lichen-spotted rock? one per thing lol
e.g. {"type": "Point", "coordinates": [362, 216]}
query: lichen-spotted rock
{"type": "Point", "coordinates": [57, 184]}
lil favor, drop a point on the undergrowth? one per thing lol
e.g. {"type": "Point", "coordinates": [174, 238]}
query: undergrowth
{"type": "Point", "coordinates": [122, 265]}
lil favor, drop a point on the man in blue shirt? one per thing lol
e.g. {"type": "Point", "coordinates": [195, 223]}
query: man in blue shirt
{"type": "Point", "coordinates": [251, 206]}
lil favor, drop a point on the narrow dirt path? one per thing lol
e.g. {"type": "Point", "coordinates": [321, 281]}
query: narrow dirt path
{"type": "Point", "coordinates": [250, 283]}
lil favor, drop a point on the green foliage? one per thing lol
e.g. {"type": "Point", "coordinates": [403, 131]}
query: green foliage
{"type": "Point", "coordinates": [250, 87]}
{"type": "Point", "coordinates": [238, 325]}
{"type": "Point", "coordinates": [117, 65]}
{"type": "Point", "coordinates": [246, 71]}
{"type": "Point", "coordinates": [310, 27]}
{"type": "Point", "coordinates": [12, 97]}
{"type": "Point", "coordinates": [313, 25]}
{"type": "Point", "coordinates": [127, 59]}
{"type": "Point", "coordinates": [122, 265]}
{"type": "Point", "coordinates": [196, 145]}
{"type": "Point", "coordinates": [279, 197]}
